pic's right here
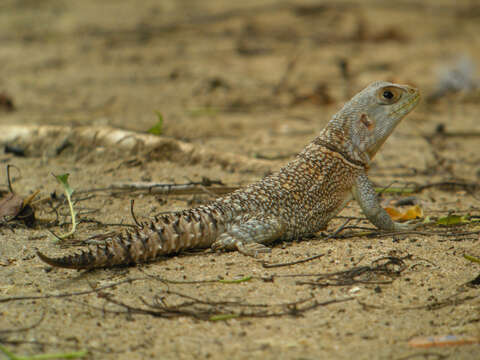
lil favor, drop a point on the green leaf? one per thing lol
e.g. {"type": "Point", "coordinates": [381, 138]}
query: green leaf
{"type": "Point", "coordinates": [471, 258]}
{"type": "Point", "coordinates": [70, 355]}
{"type": "Point", "coordinates": [395, 190]}
{"type": "Point", "coordinates": [223, 317]}
{"type": "Point", "coordinates": [157, 129]}
{"type": "Point", "coordinates": [246, 278]}
{"type": "Point", "coordinates": [453, 220]}
{"type": "Point", "coordinates": [63, 179]}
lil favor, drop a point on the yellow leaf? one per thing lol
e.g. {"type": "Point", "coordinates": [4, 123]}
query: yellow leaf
{"type": "Point", "coordinates": [453, 220]}
{"type": "Point", "coordinates": [413, 212]}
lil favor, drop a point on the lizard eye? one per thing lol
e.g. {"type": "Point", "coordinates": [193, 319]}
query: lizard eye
{"type": "Point", "coordinates": [388, 95]}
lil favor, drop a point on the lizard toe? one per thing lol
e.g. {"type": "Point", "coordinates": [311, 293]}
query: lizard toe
{"type": "Point", "coordinates": [252, 249]}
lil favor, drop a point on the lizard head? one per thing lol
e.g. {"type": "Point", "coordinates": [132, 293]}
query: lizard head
{"type": "Point", "coordinates": [366, 121]}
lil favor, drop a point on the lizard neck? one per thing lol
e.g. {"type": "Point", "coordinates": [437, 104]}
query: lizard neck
{"type": "Point", "coordinates": [338, 137]}
{"type": "Point", "coordinates": [319, 141]}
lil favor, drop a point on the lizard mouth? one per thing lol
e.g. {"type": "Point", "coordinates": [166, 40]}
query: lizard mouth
{"type": "Point", "coordinates": [407, 106]}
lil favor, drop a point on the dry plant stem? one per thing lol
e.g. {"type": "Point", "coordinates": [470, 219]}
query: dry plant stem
{"type": "Point", "coordinates": [8, 177]}
{"type": "Point", "coordinates": [430, 355]}
{"type": "Point", "coordinates": [389, 260]}
{"type": "Point", "coordinates": [123, 140]}
{"type": "Point", "coordinates": [165, 189]}
{"type": "Point", "coordinates": [210, 311]}
{"type": "Point", "coordinates": [132, 202]}
{"type": "Point", "coordinates": [8, 331]}
{"type": "Point", "coordinates": [450, 184]}
{"type": "Point", "coordinates": [352, 276]}
{"type": "Point", "coordinates": [113, 285]}
{"type": "Point", "coordinates": [450, 300]}
{"type": "Point", "coordinates": [205, 309]}
{"type": "Point", "coordinates": [412, 188]}
{"type": "Point", "coordinates": [63, 295]}
{"type": "Point", "coordinates": [374, 233]}
{"type": "Point", "coordinates": [267, 265]}
{"type": "Point", "coordinates": [66, 355]}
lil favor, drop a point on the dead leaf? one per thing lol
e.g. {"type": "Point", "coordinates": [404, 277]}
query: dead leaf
{"type": "Point", "coordinates": [15, 207]}
{"type": "Point", "coordinates": [10, 206]}
{"type": "Point", "coordinates": [411, 213]}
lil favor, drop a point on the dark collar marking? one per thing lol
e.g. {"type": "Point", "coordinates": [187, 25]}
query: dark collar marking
{"type": "Point", "coordinates": [333, 148]}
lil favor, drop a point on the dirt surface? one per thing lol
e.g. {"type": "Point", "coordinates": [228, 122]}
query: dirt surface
{"type": "Point", "coordinates": [248, 84]}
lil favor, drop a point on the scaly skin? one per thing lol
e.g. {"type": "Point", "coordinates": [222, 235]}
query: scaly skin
{"type": "Point", "coordinates": [298, 200]}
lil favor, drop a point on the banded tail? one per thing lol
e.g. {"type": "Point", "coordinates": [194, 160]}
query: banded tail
{"type": "Point", "coordinates": [172, 233]}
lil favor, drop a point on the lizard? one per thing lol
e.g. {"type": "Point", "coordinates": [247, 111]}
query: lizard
{"type": "Point", "coordinates": [298, 200]}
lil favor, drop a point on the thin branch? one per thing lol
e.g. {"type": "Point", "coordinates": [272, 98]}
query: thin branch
{"type": "Point", "coordinates": [10, 188]}
{"type": "Point", "coordinates": [269, 265]}
{"type": "Point", "coordinates": [63, 295]}
{"type": "Point", "coordinates": [132, 202]}
{"type": "Point", "coordinates": [219, 310]}
{"type": "Point", "coordinates": [30, 327]}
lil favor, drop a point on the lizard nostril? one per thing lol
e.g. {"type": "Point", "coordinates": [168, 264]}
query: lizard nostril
{"type": "Point", "coordinates": [412, 90]}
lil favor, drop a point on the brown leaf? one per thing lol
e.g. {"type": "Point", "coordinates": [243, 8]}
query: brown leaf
{"type": "Point", "coordinates": [10, 206]}
{"type": "Point", "coordinates": [13, 206]}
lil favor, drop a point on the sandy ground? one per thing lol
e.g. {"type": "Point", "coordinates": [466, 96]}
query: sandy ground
{"type": "Point", "coordinates": [256, 79]}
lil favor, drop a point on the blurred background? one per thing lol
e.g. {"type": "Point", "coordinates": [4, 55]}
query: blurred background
{"type": "Point", "coordinates": [223, 68]}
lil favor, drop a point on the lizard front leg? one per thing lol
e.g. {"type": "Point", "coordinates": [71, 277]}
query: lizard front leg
{"type": "Point", "coordinates": [366, 197]}
{"type": "Point", "coordinates": [248, 237]}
